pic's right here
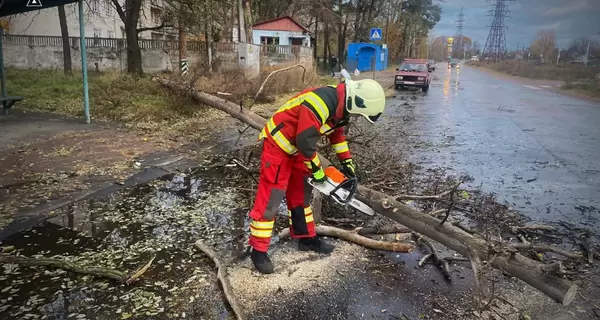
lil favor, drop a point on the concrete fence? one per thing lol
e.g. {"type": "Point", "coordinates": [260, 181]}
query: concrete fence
{"type": "Point", "coordinates": [45, 52]}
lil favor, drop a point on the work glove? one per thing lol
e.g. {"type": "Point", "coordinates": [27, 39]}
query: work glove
{"type": "Point", "coordinates": [349, 168]}
{"type": "Point", "coordinates": [319, 175]}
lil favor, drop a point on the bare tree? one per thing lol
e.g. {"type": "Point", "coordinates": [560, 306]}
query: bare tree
{"type": "Point", "coordinates": [544, 43]}
{"type": "Point", "coordinates": [130, 15]}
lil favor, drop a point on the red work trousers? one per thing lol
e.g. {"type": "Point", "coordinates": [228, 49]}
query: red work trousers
{"type": "Point", "coordinates": [281, 175]}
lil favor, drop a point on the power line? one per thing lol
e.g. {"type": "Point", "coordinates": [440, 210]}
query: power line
{"type": "Point", "coordinates": [495, 45]}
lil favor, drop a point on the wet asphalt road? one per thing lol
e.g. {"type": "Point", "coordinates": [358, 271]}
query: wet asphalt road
{"type": "Point", "coordinates": [538, 150]}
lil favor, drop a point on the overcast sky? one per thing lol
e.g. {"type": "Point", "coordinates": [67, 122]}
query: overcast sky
{"type": "Point", "coordinates": [569, 18]}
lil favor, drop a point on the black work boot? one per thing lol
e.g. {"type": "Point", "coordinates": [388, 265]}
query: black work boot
{"type": "Point", "coordinates": [261, 261]}
{"type": "Point", "coordinates": [314, 244]}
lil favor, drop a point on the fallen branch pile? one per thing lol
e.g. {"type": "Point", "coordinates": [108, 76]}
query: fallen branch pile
{"type": "Point", "coordinates": [479, 251]}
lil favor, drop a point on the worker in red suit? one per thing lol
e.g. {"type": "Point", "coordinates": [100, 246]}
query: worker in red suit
{"type": "Point", "coordinates": [289, 158]}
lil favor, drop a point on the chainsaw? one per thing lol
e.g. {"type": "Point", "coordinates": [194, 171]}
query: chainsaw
{"type": "Point", "coordinates": [341, 189]}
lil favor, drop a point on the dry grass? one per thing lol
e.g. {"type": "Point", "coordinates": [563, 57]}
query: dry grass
{"type": "Point", "coordinates": [233, 85]}
{"type": "Point", "coordinates": [140, 103]}
{"type": "Point", "coordinates": [576, 77]}
{"type": "Point", "coordinates": [590, 87]}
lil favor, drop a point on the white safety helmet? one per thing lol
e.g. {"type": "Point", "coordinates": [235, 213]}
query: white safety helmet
{"type": "Point", "coordinates": [366, 98]}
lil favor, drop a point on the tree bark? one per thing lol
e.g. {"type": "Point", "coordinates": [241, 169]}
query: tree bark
{"type": "Point", "coordinates": [326, 42]}
{"type": "Point", "coordinates": [248, 20]}
{"type": "Point", "coordinates": [315, 45]}
{"type": "Point", "coordinates": [64, 33]}
{"type": "Point", "coordinates": [472, 246]}
{"type": "Point", "coordinates": [208, 35]}
{"type": "Point", "coordinates": [241, 22]}
{"type": "Point", "coordinates": [130, 16]}
{"type": "Point", "coordinates": [341, 35]}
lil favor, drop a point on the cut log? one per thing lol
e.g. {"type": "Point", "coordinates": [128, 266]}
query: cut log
{"type": "Point", "coordinates": [468, 245]}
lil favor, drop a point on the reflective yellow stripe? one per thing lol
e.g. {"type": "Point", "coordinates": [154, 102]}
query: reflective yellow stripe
{"type": "Point", "coordinates": [309, 218]}
{"type": "Point", "coordinates": [290, 104]}
{"type": "Point", "coordinates": [262, 224]}
{"type": "Point", "coordinates": [318, 104]}
{"type": "Point", "coordinates": [341, 147]}
{"type": "Point", "coordinates": [324, 129]}
{"type": "Point", "coordinates": [315, 160]}
{"type": "Point", "coordinates": [315, 101]}
{"type": "Point", "coordinates": [261, 233]}
{"type": "Point", "coordinates": [279, 138]}
{"type": "Point", "coordinates": [263, 134]}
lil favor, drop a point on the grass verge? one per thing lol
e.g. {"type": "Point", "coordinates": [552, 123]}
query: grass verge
{"type": "Point", "coordinates": [140, 103]}
{"type": "Point", "coordinates": [525, 69]}
{"type": "Point", "coordinates": [113, 96]}
{"type": "Point", "coordinates": [576, 77]}
{"type": "Point", "coordinates": [590, 88]}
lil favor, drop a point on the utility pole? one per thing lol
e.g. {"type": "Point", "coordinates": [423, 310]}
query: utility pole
{"type": "Point", "coordinates": [587, 52]}
{"type": "Point", "coordinates": [495, 45]}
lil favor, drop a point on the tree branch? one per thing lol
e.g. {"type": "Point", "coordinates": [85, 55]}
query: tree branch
{"type": "Point", "coordinates": [223, 278]}
{"type": "Point", "coordinates": [354, 237]}
{"type": "Point", "coordinates": [119, 10]}
{"type": "Point", "coordinates": [162, 25]}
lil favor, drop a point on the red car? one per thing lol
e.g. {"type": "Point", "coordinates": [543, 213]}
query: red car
{"type": "Point", "coordinates": [413, 73]}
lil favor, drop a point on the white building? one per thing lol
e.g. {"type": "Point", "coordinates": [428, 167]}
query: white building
{"type": "Point", "coordinates": [284, 31]}
{"type": "Point", "coordinates": [101, 21]}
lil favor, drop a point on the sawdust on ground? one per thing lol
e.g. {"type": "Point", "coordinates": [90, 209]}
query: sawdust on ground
{"type": "Point", "coordinates": [294, 271]}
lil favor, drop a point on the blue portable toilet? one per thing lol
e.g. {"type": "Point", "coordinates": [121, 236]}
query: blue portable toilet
{"type": "Point", "coordinates": [362, 55]}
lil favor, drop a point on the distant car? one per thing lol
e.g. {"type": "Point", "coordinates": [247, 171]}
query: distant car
{"type": "Point", "coordinates": [474, 58]}
{"type": "Point", "coordinates": [413, 73]}
{"type": "Point", "coordinates": [454, 63]}
{"type": "Point", "coordinates": [431, 64]}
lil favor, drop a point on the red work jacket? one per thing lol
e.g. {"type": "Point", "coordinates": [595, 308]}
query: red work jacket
{"type": "Point", "coordinates": [297, 126]}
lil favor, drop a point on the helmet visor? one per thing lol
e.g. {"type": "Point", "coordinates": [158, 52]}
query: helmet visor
{"type": "Point", "coordinates": [375, 117]}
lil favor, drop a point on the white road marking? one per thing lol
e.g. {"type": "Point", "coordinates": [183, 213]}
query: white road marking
{"type": "Point", "coordinates": [531, 87]}
{"type": "Point", "coordinates": [545, 86]}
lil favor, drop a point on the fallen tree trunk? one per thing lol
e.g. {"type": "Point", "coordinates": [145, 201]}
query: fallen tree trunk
{"type": "Point", "coordinates": [467, 244]}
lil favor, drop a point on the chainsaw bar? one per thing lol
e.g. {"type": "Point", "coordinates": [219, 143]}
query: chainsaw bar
{"type": "Point", "coordinates": [328, 187]}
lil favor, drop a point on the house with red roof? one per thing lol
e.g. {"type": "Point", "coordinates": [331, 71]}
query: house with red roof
{"type": "Point", "coordinates": [283, 31]}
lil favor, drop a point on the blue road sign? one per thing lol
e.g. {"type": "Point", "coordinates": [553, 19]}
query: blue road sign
{"type": "Point", "coordinates": [376, 34]}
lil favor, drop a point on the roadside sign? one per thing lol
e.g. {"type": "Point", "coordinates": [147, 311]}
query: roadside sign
{"type": "Point", "coordinates": [34, 3]}
{"type": "Point", "coordinates": [376, 34]}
